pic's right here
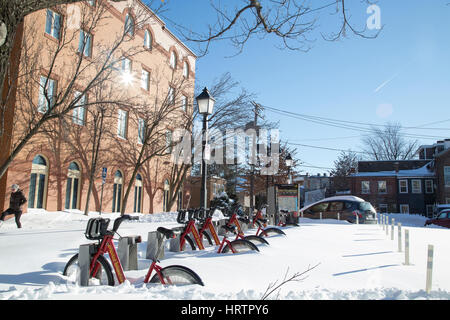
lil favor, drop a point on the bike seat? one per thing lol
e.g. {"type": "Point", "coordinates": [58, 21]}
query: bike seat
{"type": "Point", "coordinates": [166, 232]}
{"type": "Point", "coordinates": [262, 220]}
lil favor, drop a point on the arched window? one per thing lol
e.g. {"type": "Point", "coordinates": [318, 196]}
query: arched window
{"type": "Point", "coordinates": [138, 194]}
{"type": "Point", "coordinates": [117, 191]}
{"type": "Point", "coordinates": [185, 69]}
{"type": "Point", "coordinates": [38, 183]}
{"type": "Point", "coordinates": [129, 25]}
{"type": "Point", "coordinates": [73, 186]}
{"type": "Point", "coordinates": [148, 39]}
{"type": "Point", "coordinates": [173, 60]}
{"type": "Point", "coordinates": [166, 196]}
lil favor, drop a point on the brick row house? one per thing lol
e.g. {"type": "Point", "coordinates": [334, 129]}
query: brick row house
{"type": "Point", "coordinates": [396, 186]}
{"type": "Point", "coordinates": [410, 186]}
{"type": "Point", "coordinates": [52, 175]}
{"type": "Point", "coordinates": [439, 155]}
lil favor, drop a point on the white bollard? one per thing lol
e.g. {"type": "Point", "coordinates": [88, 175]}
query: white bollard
{"type": "Point", "coordinates": [392, 228]}
{"type": "Point", "coordinates": [357, 219]}
{"type": "Point", "coordinates": [382, 221]}
{"type": "Point", "coordinates": [429, 268]}
{"type": "Point", "coordinates": [338, 216]}
{"type": "Point", "coordinates": [320, 215]}
{"type": "Point", "coordinates": [387, 225]}
{"type": "Point", "coordinates": [399, 237]}
{"type": "Point", "coordinates": [407, 247]}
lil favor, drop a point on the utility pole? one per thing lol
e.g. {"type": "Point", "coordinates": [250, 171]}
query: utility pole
{"type": "Point", "coordinates": [257, 109]}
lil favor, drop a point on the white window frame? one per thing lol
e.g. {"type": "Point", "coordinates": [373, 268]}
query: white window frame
{"type": "Point", "coordinates": [415, 189]}
{"type": "Point", "coordinates": [400, 186]}
{"type": "Point", "coordinates": [185, 69]}
{"type": "Point", "coordinates": [171, 96]}
{"type": "Point", "coordinates": [79, 113]}
{"type": "Point", "coordinates": [49, 85]}
{"type": "Point", "coordinates": [55, 31]}
{"type": "Point", "coordinates": [141, 130]}
{"type": "Point", "coordinates": [429, 186]}
{"type": "Point", "coordinates": [86, 41]}
{"type": "Point", "coordinates": [184, 103]}
{"type": "Point", "coordinates": [173, 60]}
{"type": "Point", "coordinates": [148, 40]}
{"type": "Point", "coordinates": [364, 190]}
{"type": "Point", "coordinates": [122, 124]}
{"type": "Point", "coordinates": [145, 80]}
{"type": "Point", "coordinates": [404, 206]}
{"type": "Point", "coordinates": [447, 176]}
{"type": "Point", "coordinates": [126, 65]}
{"type": "Point", "coordinates": [385, 187]}
{"type": "Point", "coordinates": [129, 28]}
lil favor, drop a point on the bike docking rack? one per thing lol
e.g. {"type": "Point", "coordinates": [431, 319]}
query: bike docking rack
{"type": "Point", "coordinates": [90, 267]}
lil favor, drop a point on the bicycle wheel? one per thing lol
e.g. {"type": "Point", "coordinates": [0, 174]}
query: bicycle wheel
{"type": "Point", "coordinates": [256, 239]}
{"type": "Point", "coordinates": [103, 277]}
{"type": "Point", "coordinates": [188, 244]}
{"type": "Point", "coordinates": [207, 241]}
{"type": "Point", "coordinates": [271, 232]}
{"type": "Point", "coordinates": [177, 275]}
{"type": "Point", "coordinates": [240, 245]}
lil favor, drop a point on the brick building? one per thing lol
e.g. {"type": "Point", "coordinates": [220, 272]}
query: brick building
{"type": "Point", "coordinates": [396, 186]}
{"type": "Point", "coordinates": [439, 154]}
{"type": "Point", "coordinates": [51, 174]}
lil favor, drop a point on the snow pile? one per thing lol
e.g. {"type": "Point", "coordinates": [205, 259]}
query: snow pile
{"type": "Point", "coordinates": [346, 261]}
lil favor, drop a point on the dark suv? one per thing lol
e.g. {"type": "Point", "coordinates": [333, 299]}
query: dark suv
{"type": "Point", "coordinates": [347, 207]}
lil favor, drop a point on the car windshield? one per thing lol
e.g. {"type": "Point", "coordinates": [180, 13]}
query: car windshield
{"type": "Point", "coordinates": [366, 206]}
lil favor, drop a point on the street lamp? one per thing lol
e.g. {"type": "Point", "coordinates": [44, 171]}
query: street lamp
{"type": "Point", "coordinates": [205, 107]}
{"type": "Point", "coordinates": [289, 165]}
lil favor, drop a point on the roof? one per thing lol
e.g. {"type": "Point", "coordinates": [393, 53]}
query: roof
{"type": "Point", "coordinates": [420, 172]}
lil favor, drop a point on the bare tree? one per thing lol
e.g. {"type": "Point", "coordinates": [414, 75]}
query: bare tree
{"type": "Point", "coordinates": [39, 62]}
{"type": "Point", "coordinates": [291, 21]}
{"type": "Point", "coordinates": [388, 143]}
{"type": "Point", "coordinates": [155, 121]}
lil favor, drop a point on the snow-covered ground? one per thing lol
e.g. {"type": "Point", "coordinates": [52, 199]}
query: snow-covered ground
{"type": "Point", "coordinates": [348, 262]}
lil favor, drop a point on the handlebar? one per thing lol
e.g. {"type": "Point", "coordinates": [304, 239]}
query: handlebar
{"type": "Point", "coordinates": [119, 220]}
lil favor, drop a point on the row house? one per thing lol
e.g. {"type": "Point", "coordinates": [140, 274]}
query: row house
{"type": "Point", "coordinates": [396, 186]}
{"type": "Point", "coordinates": [439, 155]}
{"type": "Point", "coordinates": [148, 67]}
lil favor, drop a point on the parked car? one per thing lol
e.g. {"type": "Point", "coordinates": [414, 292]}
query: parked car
{"type": "Point", "coordinates": [438, 208]}
{"type": "Point", "coordinates": [443, 219]}
{"type": "Point", "coordinates": [347, 207]}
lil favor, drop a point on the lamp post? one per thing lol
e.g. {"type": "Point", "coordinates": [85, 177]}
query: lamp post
{"type": "Point", "coordinates": [205, 104]}
{"type": "Point", "coordinates": [289, 165]}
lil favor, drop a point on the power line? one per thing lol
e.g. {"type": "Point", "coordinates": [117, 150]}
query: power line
{"type": "Point", "coordinates": [351, 125]}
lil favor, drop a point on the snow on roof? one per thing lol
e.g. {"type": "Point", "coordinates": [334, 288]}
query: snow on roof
{"type": "Point", "coordinates": [420, 172]}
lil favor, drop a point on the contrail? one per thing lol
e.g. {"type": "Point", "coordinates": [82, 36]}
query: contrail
{"type": "Point", "coordinates": [385, 83]}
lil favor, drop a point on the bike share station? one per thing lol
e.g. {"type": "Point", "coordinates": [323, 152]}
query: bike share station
{"type": "Point", "coordinates": [283, 198]}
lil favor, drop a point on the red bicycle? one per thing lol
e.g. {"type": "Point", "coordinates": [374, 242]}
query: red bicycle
{"type": "Point", "coordinates": [100, 271]}
{"type": "Point", "coordinates": [204, 219]}
{"type": "Point", "coordinates": [188, 228]}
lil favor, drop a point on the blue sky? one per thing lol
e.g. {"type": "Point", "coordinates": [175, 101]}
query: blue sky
{"type": "Point", "coordinates": [403, 75]}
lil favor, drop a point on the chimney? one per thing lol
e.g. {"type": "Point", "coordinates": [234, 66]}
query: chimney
{"type": "Point", "coordinates": [447, 144]}
{"type": "Point", "coordinates": [396, 166]}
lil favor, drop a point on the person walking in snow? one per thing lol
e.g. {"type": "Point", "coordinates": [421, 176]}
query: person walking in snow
{"type": "Point", "coordinates": [15, 202]}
